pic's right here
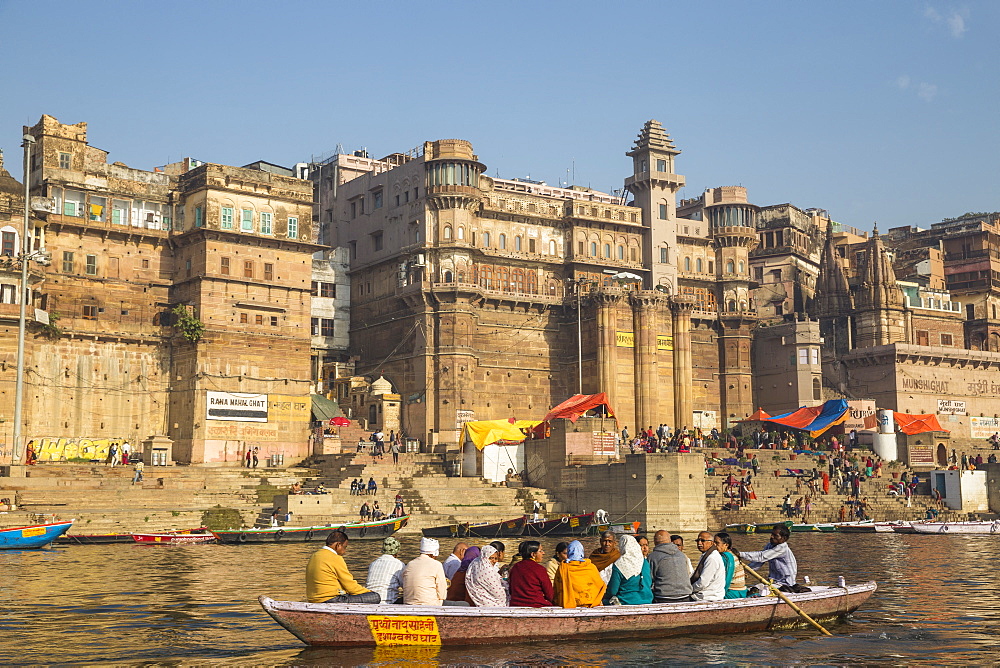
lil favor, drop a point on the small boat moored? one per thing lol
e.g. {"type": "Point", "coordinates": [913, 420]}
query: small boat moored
{"type": "Point", "coordinates": [360, 625]}
{"type": "Point", "coordinates": [355, 531]}
{"type": "Point", "coordinates": [505, 529]}
{"type": "Point", "coordinates": [32, 537]}
{"type": "Point", "coordinates": [172, 538]}
{"type": "Point", "coordinates": [112, 538]}
{"type": "Point", "coordinates": [975, 527]}
{"type": "Point", "coordinates": [758, 527]}
{"type": "Point", "coordinates": [567, 525]}
{"type": "Point", "coordinates": [825, 527]}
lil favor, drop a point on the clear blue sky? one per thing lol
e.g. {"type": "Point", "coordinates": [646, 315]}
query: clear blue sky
{"type": "Point", "coordinates": [880, 111]}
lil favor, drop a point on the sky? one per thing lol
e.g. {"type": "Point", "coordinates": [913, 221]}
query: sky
{"type": "Point", "coordinates": [875, 111]}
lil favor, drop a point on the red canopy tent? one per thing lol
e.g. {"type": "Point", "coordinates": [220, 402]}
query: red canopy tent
{"type": "Point", "coordinates": [910, 424]}
{"type": "Point", "coordinates": [577, 405]}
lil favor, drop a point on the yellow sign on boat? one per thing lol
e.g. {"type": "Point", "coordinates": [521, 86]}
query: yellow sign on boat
{"type": "Point", "coordinates": [32, 531]}
{"type": "Point", "coordinates": [404, 630]}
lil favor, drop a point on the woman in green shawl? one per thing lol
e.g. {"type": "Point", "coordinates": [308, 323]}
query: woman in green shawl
{"type": "Point", "coordinates": [735, 578]}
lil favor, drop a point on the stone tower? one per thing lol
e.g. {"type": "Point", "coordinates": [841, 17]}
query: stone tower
{"type": "Point", "coordinates": [732, 225]}
{"type": "Point", "coordinates": [654, 185]}
{"type": "Point", "coordinates": [832, 303]}
{"type": "Point", "coordinates": [879, 306]}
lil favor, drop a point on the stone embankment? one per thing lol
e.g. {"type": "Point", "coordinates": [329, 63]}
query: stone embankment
{"type": "Point", "coordinates": [102, 499]}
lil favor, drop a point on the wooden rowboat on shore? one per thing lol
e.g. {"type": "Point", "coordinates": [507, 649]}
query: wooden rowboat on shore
{"type": "Point", "coordinates": [32, 537]}
{"type": "Point", "coordinates": [353, 625]}
{"type": "Point", "coordinates": [355, 531]}
{"type": "Point", "coordinates": [757, 527]}
{"type": "Point", "coordinates": [981, 527]}
{"type": "Point", "coordinates": [567, 525]}
{"type": "Point", "coordinates": [112, 538]}
{"type": "Point", "coordinates": [172, 538]}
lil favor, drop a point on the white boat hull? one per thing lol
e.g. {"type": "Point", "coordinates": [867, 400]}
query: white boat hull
{"type": "Point", "coordinates": [957, 527]}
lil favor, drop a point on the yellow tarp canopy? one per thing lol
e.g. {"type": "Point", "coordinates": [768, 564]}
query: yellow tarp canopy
{"type": "Point", "coordinates": [486, 432]}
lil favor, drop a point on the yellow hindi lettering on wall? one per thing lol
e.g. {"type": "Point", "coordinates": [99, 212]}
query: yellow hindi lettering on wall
{"type": "Point", "coordinates": [627, 340]}
{"type": "Point", "coordinates": [404, 630]}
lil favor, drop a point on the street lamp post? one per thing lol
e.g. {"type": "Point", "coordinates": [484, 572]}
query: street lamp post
{"type": "Point", "coordinates": [23, 298]}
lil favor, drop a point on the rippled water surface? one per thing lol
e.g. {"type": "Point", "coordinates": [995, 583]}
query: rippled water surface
{"type": "Point", "coordinates": [129, 604]}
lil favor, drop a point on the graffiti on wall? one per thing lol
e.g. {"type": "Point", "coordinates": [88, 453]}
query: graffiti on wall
{"type": "Point", "coordinates": [55, 449]}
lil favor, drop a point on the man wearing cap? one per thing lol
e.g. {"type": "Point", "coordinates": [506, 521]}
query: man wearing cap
{"type": "Point", "coordinates": [424, 582]}
{"type": "Point", "coordinates": [385, 575]}
{"type": "Point", "coordinates": [327, 578]}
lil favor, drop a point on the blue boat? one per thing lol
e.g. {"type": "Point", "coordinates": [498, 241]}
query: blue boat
{"type": "Point", "coordinates": [32, 537]}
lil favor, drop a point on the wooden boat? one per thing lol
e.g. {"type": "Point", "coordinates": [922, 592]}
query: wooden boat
{"type": "Point", "coordinates": [759, 527]}
{"type": "Point", "coordinates": [826, 527]}
{"type": "Point", "coordinates": [172, 538]}
{"type": "Point", "coordinates": [355, 625]}
{"type": "Point", "coordinates": [112, 538]}
{"type": "Point", "coordinates": [863, 526]}
{"type": "Point", "coordinates": [568, 525]}
{"type": "Point", "coordinates": [505, 529]}
{"type": "Point", "coordinates": [898, 526]}
{"type": "Point", "coordinates": [979, 527]}
{"type": "Point", "coordinates": [631, 528]}
{"type": "Point", "coordinates": [355, 531]}
{"type": "Point", "coordinates": [32, 537]}
{"type": "Point", "coordinates": [457, 530]}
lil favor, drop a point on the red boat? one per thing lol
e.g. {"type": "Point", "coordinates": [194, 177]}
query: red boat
{"type": "Point", "coordinates": [359, 625]}
{"type": "Point", "coordinates": [172, 538]}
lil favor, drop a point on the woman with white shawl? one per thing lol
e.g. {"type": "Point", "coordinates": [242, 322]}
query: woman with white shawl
{"type": "Point", "coordinates": [631, 581]}
{"type": "Point", "coordinates": [483, 583]}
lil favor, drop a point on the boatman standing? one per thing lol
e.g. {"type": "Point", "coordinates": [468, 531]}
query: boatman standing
{"type": "Point", "coordinates": [782, 567]}
{"type": "Point", "coordinates": [329, 581]}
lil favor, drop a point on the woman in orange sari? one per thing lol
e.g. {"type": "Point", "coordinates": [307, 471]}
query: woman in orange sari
{"type": "Point", "coordinates": [578, 583]}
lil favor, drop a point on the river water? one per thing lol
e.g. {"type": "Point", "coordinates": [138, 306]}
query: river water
{"type": "Point", "coordinates": [937, 603]}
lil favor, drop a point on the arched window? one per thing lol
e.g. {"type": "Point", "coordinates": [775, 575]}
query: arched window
{"type": "Point", "coordinates": [593, 249]}
{"type": "Point", "coordinates": [552, 288]}
{"type": "Point", "coordinates": [517, 243]}
{"type": "Point", "coordinates": [687, 264]}
{"type": "Point", "coordinates": [531, 282]}
{"type": "Point", "coordinates": [607, 250]}
{"type": "Point", "coordinates": [517, 280]}
{"type": "Point", "coordinates": [447, 232]}
{"type": "Point", "coordinates": [503, 279]}
{"type": "Point", "coordinates": [448, 277]}
{"type": "Point", "coordinates": [742, 266]}
{"type": "Point", "coordinates": [698, 265]}
{"type": "Point", "coordinates": [486, 239]}
{"type": "Point", "coordinates": [621, 252]}
{"type": "Point", "coordinates": [731, 305]}
{"type": "Point", "coordinates": [552, 247]}
{"type": "Point", "coordinates": [486, 277]}
{"type": "Point", "coordinates": [730, 268]}
{"type": "Point", "coordinates": [461, 233]}
{"type": "Point", "coordinates": [743, 305]}
{"type": "Point", "coordinates": [503, 242]}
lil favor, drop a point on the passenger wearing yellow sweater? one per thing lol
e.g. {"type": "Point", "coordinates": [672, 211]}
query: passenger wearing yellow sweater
{"type": "Point", "coordinates": [329, 581]}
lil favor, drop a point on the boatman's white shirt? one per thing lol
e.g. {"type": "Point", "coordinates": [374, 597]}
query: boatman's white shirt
{"type": "Point", "coordinates": [711, 584]}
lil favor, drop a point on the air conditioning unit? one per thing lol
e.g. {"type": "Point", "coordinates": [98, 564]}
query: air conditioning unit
{"type": "Point", "coordinates": [419, 261]}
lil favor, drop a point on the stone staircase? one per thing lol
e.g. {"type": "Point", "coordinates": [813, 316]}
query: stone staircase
{"type": "Point", "coordinates": [431, 496]}
{"type": "Point", "coordinates": [771, 490]}
{"type": "Point", "coordinates": [102, 499]}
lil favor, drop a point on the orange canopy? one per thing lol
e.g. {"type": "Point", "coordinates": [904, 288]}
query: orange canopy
{"type": "Point", "coordinates": [910, 424]}
{"type": "Point", "coordinates": [577, 405]}
{"type": "Point", "coordinates": [759, 415]}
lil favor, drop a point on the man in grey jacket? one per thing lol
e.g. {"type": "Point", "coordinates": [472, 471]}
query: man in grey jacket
{"type": "Point", "coordinates": [669, 566]}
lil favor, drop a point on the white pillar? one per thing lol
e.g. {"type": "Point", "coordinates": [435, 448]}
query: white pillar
{"type": "Point", "coordinates": [885, 437]}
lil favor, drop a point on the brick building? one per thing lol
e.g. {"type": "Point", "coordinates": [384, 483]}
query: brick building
{"type": "Point", "coordinates": [232, 245]}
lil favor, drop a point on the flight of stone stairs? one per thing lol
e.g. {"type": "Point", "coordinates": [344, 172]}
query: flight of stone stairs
{"type": "Point", "coordinates": [771, 490]}
{"type": "Point", "coordinates": [102, 499]}
{"type": "Point", "coordinates": [431, 496]}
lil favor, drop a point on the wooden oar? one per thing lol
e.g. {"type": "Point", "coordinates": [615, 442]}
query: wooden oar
{"type": "Point", "coordinates": [784, 598]}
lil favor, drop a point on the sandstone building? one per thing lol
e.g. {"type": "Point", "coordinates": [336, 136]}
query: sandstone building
{"type": "Point", "coordinates": [232, 246]}
{"type": "Point", "coordinates": [467, 291]}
